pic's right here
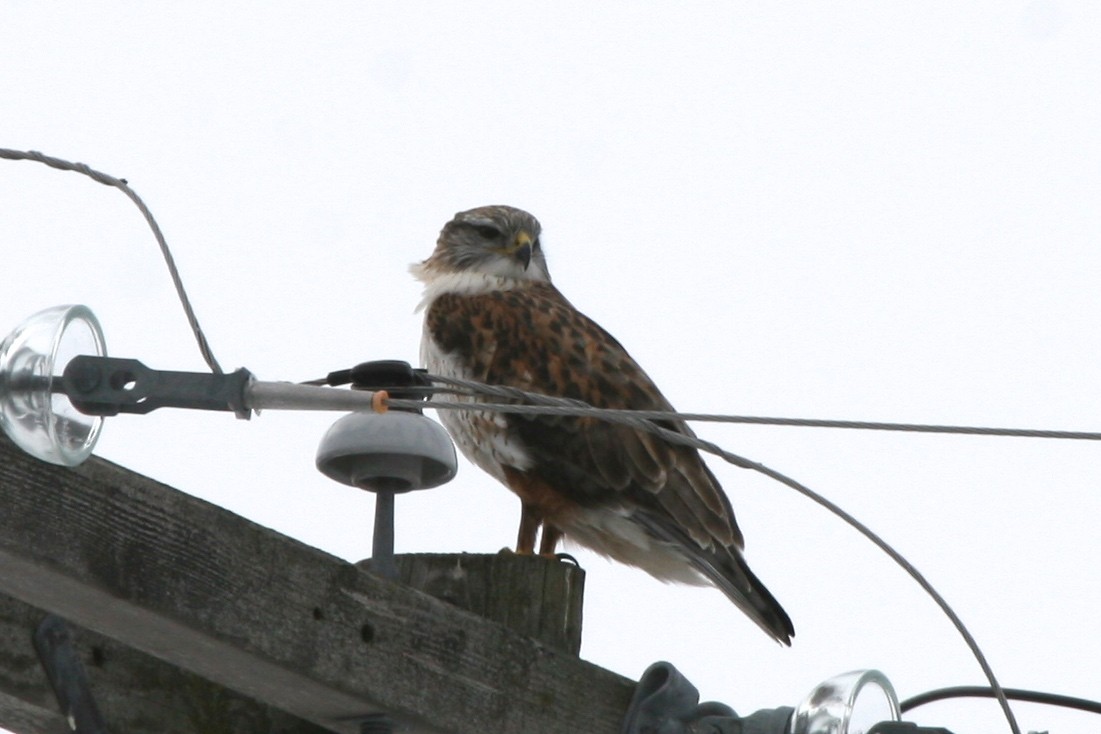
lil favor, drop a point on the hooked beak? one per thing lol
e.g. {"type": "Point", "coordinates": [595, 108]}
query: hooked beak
{"type": "Point", "coordinates": [521, 249]}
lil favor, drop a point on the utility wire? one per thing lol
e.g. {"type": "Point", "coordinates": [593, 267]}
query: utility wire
{"type": "Point", "coordinates": [1017, 694]}
{"type": "Point", "coordinates": [499, 391]}
{"type": "Point", "coordinates": [548, 405]}
{"type": "Point", "coordinates": [121, 184]}
{"type": "Point", "coordinates": [577, 408]}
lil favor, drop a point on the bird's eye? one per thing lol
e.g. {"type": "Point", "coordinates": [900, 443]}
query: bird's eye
{"type": "Point", "coordinates": [488, 231]}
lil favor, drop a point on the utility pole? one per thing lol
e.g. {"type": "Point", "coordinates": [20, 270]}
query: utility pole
{"type": "Point", "coordinates": [189, 618]}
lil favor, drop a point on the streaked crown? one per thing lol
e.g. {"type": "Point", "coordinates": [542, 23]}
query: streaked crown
{"type": "Point", "coordinates": [494, 240]}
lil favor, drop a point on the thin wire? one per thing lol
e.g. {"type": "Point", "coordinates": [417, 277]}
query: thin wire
{"type": "Point", "coordinates": [1017, 694]}
{"type": "Point", "coordinates": [121, 184]}
{"type": "Point", "coordinates": [580, 409]}
{"type": "Point", "coordinates": [559, 406]}
{"type": "Point", "coordinates": [910, 427]}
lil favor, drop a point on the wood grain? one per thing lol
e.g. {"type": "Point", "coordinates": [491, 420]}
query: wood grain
{"type": "Point", "coordinates": [286, 625]}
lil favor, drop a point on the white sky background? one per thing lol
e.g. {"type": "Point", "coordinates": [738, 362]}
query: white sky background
{"type": "Point", "coordinates": [881, 211]}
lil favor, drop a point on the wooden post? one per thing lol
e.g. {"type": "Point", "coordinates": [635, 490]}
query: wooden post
{"type": "Point", "coordinates": [538, 597]}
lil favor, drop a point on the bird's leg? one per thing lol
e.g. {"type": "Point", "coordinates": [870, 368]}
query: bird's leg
{"type": "Point", "coordinates": [530, 520]}
{"type": "Point", "coordinates": [551, 536]}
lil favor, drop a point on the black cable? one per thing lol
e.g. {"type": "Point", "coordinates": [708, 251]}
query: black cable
{"type": "Point", "coordinates": [1017, 694]}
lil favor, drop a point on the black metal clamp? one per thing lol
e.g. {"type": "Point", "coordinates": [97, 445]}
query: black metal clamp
{"type": "Point", "coordinates": [53, 640]}
{"type": "Point", "coordinates": [109, 386]}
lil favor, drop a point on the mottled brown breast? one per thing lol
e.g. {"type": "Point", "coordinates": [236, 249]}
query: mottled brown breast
{"type": "Point", "coordinates": [531, 337]}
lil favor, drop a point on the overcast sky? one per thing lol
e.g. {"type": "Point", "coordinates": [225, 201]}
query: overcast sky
{"type": "Point", "coordinates": [881, 211]}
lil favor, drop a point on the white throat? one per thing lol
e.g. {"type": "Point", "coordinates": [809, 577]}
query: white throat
{"type": "Point", "coordinates": [465, 282]}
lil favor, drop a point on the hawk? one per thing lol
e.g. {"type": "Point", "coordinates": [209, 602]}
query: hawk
{"type": "Point", "coordinates": [492, 315]}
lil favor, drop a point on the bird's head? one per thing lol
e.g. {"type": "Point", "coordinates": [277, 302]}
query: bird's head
{"type": "Point", "coordinates": [499, 241]}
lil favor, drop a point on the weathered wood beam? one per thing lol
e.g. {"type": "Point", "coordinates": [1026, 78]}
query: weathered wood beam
{"type": "Point", "coordinates": [277, 621]}
{"type": "Point", "coordinates": [136, 693]}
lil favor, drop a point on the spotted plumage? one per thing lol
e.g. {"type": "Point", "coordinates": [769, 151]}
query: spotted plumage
{"type": "Point", "coordinates": [493, 315]}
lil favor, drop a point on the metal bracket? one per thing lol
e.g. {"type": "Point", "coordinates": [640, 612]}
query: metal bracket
{"type": "Point", "coordinates": [109, 386]}
{"type": "Point", "coordinates": [53, 640]}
